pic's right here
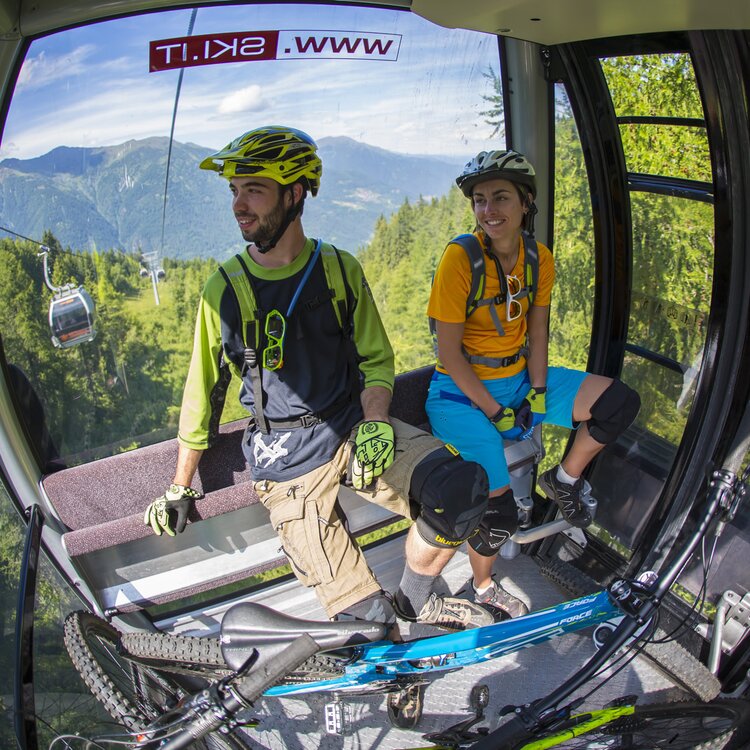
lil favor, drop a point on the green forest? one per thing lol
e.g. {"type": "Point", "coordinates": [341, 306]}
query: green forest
{"type": "Point", "coordinates": [123, 390]}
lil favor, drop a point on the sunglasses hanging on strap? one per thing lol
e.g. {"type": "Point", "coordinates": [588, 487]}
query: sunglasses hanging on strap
{"type": "Point", "coordinates": [511, 291]}
{"type": "Point", "coordinates": [275, 324]}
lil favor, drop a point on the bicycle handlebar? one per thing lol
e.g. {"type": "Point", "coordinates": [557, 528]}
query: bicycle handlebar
{"type": "Point", "coordinates": [240, 692]}
{"type": "Point", "coordinates": [254, 684]}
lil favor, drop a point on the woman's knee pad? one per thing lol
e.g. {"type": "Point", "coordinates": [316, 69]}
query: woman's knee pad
{"type": "Point", "coordinates": [452, 497]}
{"type": "Point", "coordinates": [613, 412]}
{"type": "Point", "coordinates": [498, 524]}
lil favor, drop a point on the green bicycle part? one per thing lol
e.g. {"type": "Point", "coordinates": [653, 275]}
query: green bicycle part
{"type": "Point", "coordinates": [582, 723]}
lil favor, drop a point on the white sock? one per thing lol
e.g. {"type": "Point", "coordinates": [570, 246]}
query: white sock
{"type": "Point", "coordinates": [563, 476]}
{"type": "Point", "coordinates": [481, 591]}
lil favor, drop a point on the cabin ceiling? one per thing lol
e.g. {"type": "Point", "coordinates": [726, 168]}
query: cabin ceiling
{"type": "Point", "coordinates": [550, 22]}
{"type": "Point", "coordinates": [543, 21]}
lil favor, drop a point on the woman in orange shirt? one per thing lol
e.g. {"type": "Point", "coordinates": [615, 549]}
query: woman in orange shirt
{"type": "Point", "coordinates": [492, 380]}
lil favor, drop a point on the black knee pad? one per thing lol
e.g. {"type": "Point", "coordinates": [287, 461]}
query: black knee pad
{"type": "Point", "coordinates": [498, 524]}
{"type": "Point", "coordinates": [452, 497]}
{"type": "Point", "coordinates": [613, 412]}
{"type": "Point", "coordinates": [375, 608]}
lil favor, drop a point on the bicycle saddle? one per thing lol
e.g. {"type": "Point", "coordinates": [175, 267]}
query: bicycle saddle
{"type": "Point", "coordinates": [250, 626]}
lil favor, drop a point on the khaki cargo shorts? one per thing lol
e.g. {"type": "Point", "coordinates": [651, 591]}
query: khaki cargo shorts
{"type": "Point", "coordinates": [308, 519]}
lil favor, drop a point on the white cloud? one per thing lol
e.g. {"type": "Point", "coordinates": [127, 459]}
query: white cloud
{"type": "Point", "coordinates": [10, 149]}
{"type": "Point", "coordinates": [249, 99]}
{"type": "Point", "coordinates": [427, 102]}
{"type": "Point", "coordinates": [43, 69]}
{"type": "Point", "coordinates": [105, 119]}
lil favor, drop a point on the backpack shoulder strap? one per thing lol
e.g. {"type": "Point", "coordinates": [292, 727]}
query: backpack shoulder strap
{"type": "Point", "coordinates": [475, 299]}
{"type": "Point", "coordinates": [531, 265]}
{"type": "Point", "coordinates": [474, 251]}
{"type": "Point", "coordinates": [238, 278]}
{"type": "Point", "coordinates": [342, 295]}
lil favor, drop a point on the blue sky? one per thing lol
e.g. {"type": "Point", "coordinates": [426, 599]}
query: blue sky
{"type": "Point", "coordinates": [91, 86]}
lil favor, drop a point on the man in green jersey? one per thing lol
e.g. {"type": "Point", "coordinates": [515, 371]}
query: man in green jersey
{"type": "Point", "coordinates": [294, 318]}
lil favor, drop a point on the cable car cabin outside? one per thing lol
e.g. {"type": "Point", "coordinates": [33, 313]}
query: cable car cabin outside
{"type": "Point", "coordinates": [636, 122]}
{"type": "Point", "coordinates": [71, 318]}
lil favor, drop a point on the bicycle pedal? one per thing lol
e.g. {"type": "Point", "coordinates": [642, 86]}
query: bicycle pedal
{"type": "Point", "coordinates": [336, 717]}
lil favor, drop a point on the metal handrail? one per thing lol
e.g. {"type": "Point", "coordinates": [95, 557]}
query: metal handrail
{"type": "Point", "coordinates": [24, 707]}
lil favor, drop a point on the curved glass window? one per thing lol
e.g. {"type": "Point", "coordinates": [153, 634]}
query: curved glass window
{"type": "Point", "coordinates": [672, 281]}
{"type": "Point", "coordinates": [61, 701]}
{"type": "Point", "coordinates": [660, 117]}
{"type": "Point", "coordinates": [88, 169]}
{"type": "Point", "coordinates": [571, 311]}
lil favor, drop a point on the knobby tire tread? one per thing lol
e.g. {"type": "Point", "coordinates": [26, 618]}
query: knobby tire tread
{"type": "Point", "coordinates": [318, 667]}
{"type": "Point", "coordinates": [676, 662]}
{"type": "Point", "coordinates": [81, 631]}
{"type": "Point", "coordinates": [203, 655]}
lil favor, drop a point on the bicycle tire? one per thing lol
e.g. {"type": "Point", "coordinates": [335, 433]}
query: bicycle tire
{"type": "Point", "coordinates": [178, 653]}
{"type": "Point", "coordinates": [317, 668]}
{"type": "Point", "coordinates": [688, 725]}
{"type": "Point", "coordinates": [669, 657]}
{"type": "Point", "coordinates": [134, 693]}
{"type": "Point", "coordinates": [186, 654]}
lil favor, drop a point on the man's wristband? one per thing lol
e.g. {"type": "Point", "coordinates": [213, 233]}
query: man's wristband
{"type": "Point", "coordinates": [179, 491]}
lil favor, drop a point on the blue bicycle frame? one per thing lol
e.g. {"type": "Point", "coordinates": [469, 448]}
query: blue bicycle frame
{"type": "Point", "coordinates": [384, 661]}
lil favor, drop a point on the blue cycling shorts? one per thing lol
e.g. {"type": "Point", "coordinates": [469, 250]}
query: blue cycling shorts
{"type": "Point", "coordinates": [456, 421]}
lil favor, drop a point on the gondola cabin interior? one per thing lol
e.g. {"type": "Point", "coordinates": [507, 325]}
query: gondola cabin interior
{"type": "Point", "coordinates": [636, 119]}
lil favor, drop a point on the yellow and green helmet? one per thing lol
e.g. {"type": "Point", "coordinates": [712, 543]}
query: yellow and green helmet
{"type": "Point", "coordinates": [282, 154]}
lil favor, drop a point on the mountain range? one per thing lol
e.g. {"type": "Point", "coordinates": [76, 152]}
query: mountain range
{"type": "Point", "coordinates": [113, 196]}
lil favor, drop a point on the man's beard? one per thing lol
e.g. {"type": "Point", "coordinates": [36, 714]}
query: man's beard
{"type": "Point", "coordinates": [267, 226]}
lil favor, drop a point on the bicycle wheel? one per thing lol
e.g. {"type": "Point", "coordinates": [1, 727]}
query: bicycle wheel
{"type": "Point", "coordinates": [677, 726]}
{"type": "Point", "coordinates": [178, 653]}
{"type": "Point", "coordinates": [133, 692]}
{"type": "Point", "coordinates": [316, 668]}
{"type": "Point", "coordinates": [189, 655]}
{"type": "Point", "coordinates": [669, 657]}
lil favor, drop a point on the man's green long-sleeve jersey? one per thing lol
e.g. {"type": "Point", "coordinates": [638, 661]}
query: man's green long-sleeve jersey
{"type": "Point", "coordinates": [320, 369]}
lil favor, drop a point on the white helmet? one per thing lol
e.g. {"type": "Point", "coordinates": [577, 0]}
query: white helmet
{"type": "Point", "coordinates": [491, 165]}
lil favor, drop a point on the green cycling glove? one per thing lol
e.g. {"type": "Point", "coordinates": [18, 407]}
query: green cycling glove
{"type": "Point", "coordinates": [170, 511]}
{"type": "Point", "coordinates": [531, 412]}
{"type": "Point", "coordinates": [374, 447]}
{"type": "Point", "coordinates": [505, 423]}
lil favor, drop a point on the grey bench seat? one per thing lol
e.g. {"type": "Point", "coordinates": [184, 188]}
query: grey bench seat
{"type": "Point", "coordinates": [228, 537]}
{"type": "Point", "coordinates": [101, 505]}
{"type": "Point", "coordinates": [102, 502]}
